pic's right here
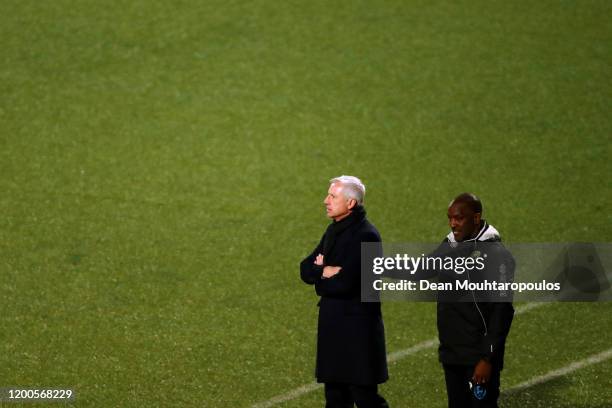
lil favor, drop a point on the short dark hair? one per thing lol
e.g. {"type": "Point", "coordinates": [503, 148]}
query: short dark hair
{"type": "Point", "coordinates": [470, 200]}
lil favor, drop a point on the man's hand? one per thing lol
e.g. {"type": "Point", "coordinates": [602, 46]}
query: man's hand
{"type": "Point", "coordinates": [330, 271]}
{"type": "Point", "coordinates": [482, 372]}
{"type": "Point", "coordinates": [319, 260]}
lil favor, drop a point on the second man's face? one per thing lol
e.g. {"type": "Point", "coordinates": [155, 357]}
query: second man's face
{"type": "Point", "coordinates": [462, 221]}
{"type": "Point", "coordinates": [336, 205]}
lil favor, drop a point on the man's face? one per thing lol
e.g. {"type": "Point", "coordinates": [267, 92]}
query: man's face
{"type": "Point", "coordinates": [463, 221]}
{"type": "Point", "coordinates": [336, 204]}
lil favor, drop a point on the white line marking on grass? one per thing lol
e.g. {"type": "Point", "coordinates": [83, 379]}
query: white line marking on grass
{"type": "Point", "coordinates": [560, 372]}
{"type": "Point", "coordinates": [398, 355]}
{"type": "Point", "coordinates": [391, 358]}
{"type": "Point", "coordinates": [304, 389]}
{"type": "Point", "coordinates": [528, 306]}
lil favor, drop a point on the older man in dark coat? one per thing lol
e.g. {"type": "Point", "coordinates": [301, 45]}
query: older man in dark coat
{"type": "Point", "coordinates": [351, 357]}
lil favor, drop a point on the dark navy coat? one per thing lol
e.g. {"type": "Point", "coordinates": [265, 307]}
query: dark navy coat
{"type": "Point", "coordinates": [351, 336]}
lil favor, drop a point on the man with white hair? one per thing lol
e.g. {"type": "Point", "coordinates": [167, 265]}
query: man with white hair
{"type": "Point", "coordinates": [351, 356]}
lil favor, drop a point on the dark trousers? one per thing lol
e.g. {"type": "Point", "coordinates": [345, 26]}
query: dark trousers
{"type": "Point", "coordinates": [458, 388]}
{"type": "Point", "coordinates": [345, 395]}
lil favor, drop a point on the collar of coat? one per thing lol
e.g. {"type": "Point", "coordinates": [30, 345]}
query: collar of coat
{"type": "Point", "coordinates": [337, 227]}
{"type": "Point", "coordinates": [487, 233]}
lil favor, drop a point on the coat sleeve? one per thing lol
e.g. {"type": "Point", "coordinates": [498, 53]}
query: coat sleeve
{"type": "Point", "coordinates": [499, 323]}
{"type": "Point", "coordinates": [347, 282]}
{"type": "Point", "coordinates": [500, 317]}
{"type": "Point", "coordinates": [309, 272]}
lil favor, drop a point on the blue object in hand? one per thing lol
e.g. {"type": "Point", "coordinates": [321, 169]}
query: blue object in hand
{"type": "Point", "coordinates": [479, 390]}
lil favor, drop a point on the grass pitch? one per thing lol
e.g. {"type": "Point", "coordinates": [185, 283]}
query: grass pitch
{"type": "Point", "coordinates": [163, 166]}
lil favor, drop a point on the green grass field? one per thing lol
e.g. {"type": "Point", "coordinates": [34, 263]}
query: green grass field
{"type": "Point", "coordinates": [163, 166]}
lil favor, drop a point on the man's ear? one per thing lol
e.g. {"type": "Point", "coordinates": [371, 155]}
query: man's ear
{"type": "Point", "coordinates": [352, 203]}
{"type": "Point", "coordinates": [477, 217]}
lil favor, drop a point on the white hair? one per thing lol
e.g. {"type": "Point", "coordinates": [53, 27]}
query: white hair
{"type": "Point", "coordinates": [353, 188]}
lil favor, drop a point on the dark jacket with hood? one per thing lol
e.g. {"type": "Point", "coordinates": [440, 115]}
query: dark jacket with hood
{"type": "Point", "coordinates": [472, 330]}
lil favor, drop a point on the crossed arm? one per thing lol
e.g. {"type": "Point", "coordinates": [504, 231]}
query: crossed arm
{"type": "Point", "coordinates": [339, 280]}
{"type": "Point", "coordinates": [328, 271]}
